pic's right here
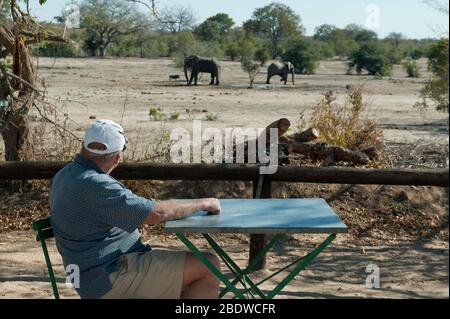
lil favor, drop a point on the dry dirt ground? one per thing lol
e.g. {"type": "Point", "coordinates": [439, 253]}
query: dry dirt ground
{"type": "Point", "coordinates": [407, 270]}
{"type": "Point", "coordinates": [403, 230]}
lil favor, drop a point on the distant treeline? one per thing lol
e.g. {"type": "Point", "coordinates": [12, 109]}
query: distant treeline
{"type": "Point", "coordinates": [117, 28]}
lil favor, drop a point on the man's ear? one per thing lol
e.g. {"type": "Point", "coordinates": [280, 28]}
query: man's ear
{"type": "Point", "coordinates": [117, 159]}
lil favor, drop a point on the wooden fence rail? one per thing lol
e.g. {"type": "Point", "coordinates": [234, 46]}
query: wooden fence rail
{"type": "Point", "coordinates": [238, 172]}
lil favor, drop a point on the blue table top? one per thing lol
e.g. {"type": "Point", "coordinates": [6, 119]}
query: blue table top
{"type": "Point", "coordinates": [263, 216]}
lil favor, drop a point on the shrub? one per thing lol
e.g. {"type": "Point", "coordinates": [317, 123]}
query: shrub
{"type": "Point", "coordinates": [416, 54]}
{"type": "Point", "coordinates": [412, 68]}
{"type": "Point", "coordinates": [186, 43]}
{"type": "Point", "coordinates": [251, 67]}
{"type": "Point", "coordinates": [246, 49]}
{"type": "Point", "coordinates": [395, 57]}
{"type": "Point", "coordinates": [232, 51]}
{"type": "Point", "coordinates": [156, 114]}
{"type": "Point", "coordinates": [343, 45]}
{"type": "Point", "coordinates": [345, 124]}
{"type": "Point", "coordinates": [304, 55]}
{"type": "Point", "coordinates": [262, 55]}
{"type": "Point", "coordinates": [55, 50]}
{"type": "Point", "coordinates": [437, 90]}
{"type": "Point", "coordinates": [372, 57]}
{"type": "Point", "coordinates": [211, 117]}
{"type": "Point", "coordinates": [326, 50]}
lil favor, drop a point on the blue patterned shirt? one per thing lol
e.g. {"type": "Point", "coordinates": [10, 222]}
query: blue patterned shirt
{"type": "Point", "coordinates": [95, 220]}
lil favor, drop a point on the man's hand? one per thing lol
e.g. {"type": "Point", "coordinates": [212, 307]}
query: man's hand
{"type": "Point", "coordinates": [178, 209]}
{"type": "Point", "coordinates": [212, 206]}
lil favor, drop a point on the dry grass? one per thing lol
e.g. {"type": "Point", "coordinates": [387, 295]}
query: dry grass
{"type": "Point", "coordinates": [50, 137]}
{"type": "Point", "coordinates": [346, 124]}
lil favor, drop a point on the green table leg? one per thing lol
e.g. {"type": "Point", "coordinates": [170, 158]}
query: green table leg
{"type": "Point", "coordinates": [253, 263]}
{"type": "Point", "coordinates": [232, 266]}
{"type": "Point", "coordinates": [305, 262]}
{"type": "Point", "coordinates": [210, 266]}
{"type": "Point", "coordinates": [241, 275]}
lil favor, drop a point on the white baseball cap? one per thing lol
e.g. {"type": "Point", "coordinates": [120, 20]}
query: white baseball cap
{"type": "Point", "coordinates": [107, 133]}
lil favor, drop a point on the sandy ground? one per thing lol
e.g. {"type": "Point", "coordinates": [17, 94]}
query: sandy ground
{"type": "Point", "coordinates": [125, 89]}
{"type": "Point", "coordinates": [407, 270]}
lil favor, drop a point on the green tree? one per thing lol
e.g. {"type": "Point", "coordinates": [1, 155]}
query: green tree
{"type": "Point", "coordinates": [232, 51]}
{"type": "Point", "coordinates": [372, 57]}
{"type": "Point", "coordinates": [395, 39]}
{"type": "Point", "coordinates": [342, 44]}
{"type": "Point", "coordinates": [262, 55]}
{"type": "Point", "coordinates": [224, 21]}
{"type": "Point", "coordinates": [106, 20]}
{"type": "Point", "coordinates": [275, 22]}
{"type": "Point", "coordinates": [326, 50]}
{"type": "Point", "coordinates": [324, 32]}
{"type": "Point", "coordinates": [186, 43]}
{"type": "Point", "coordinates": [396, 54]}
{"type": "Point", "coordinates": [437, 90]}
{"type": "Point", "coordinates": [214, 28]}
{"type": "Point", "coordinates": [360, 34]}
{"type": "Point", "coordinates": [209, 31]}
{"type": "Point", "coordinates": [55, 49]}
{"type": "Point", "coordinates": [303, 54]}
{"type": "Point", "coordinates": [239, 44]}
{"type": "Point", "coordinates": [247, 48]}
{"type": "Point", "coordinates": [416, 54]}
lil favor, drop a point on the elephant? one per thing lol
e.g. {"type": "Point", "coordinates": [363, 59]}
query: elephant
{"type": "Point", "coordinates": [201, 65]}
{"type": "Point", "coordinates": [282, 69]}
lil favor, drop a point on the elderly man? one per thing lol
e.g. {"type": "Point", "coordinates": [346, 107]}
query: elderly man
{"type": "Point", "coordinates": [96, 219]}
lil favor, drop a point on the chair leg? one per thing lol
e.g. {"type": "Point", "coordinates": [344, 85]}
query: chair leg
{"type": "Point", "coordinates": [50, 270]}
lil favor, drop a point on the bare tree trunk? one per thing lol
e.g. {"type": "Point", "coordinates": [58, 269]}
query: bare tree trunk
{"type": "Point", "coordinates": [15, 127]}
{"type": "Point", "coordinates": [15, 136]}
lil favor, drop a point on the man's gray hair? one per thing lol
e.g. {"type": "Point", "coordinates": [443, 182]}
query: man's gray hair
{"type": "Point", "coordinates": [97, 158]}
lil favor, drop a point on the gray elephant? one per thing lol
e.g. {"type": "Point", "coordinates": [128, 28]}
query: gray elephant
{"type": "Point", "coordinates": [281, 69]}
{"type": "Point", "coordinates": [201, 65]}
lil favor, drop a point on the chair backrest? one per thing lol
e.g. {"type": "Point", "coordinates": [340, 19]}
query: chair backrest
{"type": "Point", "coordinates": [44, 231]}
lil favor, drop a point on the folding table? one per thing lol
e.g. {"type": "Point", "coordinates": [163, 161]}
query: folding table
{"type": "Point", "coordinates": [275, 217]}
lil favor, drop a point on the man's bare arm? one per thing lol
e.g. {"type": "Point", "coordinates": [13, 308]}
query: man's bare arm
{"type": "Point", "coordinates": [179, 209]}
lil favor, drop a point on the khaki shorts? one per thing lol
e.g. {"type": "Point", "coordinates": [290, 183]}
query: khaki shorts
{"type": "Point", "coordinates": [155, 274]}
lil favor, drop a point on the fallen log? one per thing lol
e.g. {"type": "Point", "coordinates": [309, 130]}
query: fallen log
{"type": "Point", "coordinates": [284, 148]}
{"type": "Point", "coordinates": [306, 136]}
{"type": "Point", "coordinates": [282, 125]}
{"type": "Point", "coordinates": [331, 153]}
{"type": "Point", "coordinates": [372, 152]}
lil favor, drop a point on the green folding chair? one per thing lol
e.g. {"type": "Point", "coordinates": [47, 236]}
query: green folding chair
{"type": "Point", "coordinates": [44, 231]}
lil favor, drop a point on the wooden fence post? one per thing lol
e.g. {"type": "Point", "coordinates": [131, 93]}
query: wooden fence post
{"type": "Point", "coordinates": [261, 189]}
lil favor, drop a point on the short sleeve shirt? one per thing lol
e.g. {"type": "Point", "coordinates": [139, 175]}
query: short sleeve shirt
{"type": "Point", "coordinates": [95, 220]}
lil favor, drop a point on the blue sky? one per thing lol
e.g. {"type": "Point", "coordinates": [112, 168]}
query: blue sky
{"type": "Point", "coordinates": [410, 17]}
